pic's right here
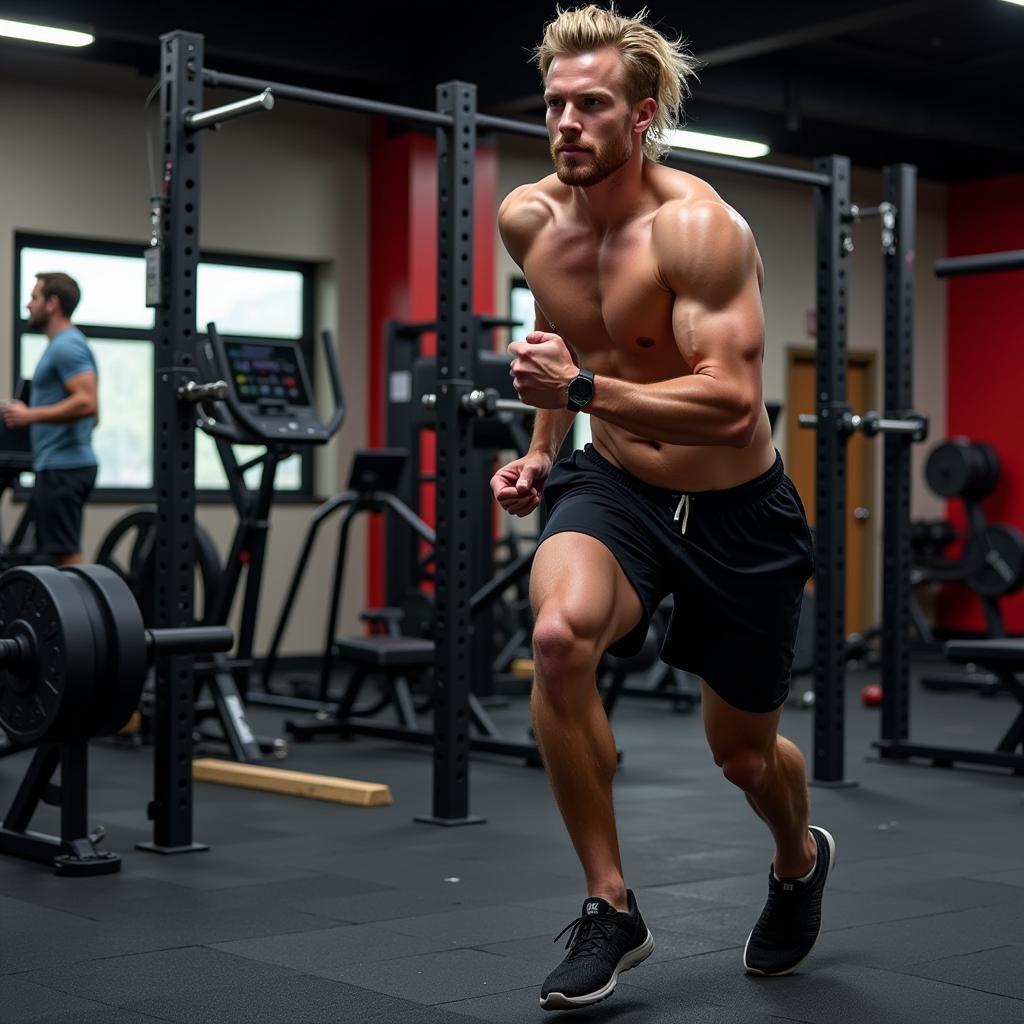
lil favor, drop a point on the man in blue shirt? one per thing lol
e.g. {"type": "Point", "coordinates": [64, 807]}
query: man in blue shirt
{"type": "Point", "coordinates": [61, 418]}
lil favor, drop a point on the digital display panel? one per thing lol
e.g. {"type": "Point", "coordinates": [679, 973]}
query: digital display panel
{"type": "Point", "coordinates": [268, 372]}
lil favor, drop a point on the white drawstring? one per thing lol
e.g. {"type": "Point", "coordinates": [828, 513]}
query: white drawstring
{"type": "Point", "coordinates": [684, 508]}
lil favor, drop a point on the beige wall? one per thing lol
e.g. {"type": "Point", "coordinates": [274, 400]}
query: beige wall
{"type": "Point", "coordinates": [782, 219]}
{"type": "Point", "coordinates": [291, 183]}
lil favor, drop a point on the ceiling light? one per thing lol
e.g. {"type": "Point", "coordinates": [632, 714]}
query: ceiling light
{"type": "Point", "coordinates": [718, 143]}
{"type": "Point", "coordinates": [1019, 3]}
{"type": "Point", "coordinates": [44, 34]}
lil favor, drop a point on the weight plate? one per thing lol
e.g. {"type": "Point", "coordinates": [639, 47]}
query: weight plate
{"type": "Point", "coordinates": [961, 468]}
{"type": "Point", "coordinates": [50, 693]}
{"type": "Point", "coordinates": [121, 658]}
{"type": "Point", "coordinates": [994, 560]}
{"type": "Point", "coordinates": [991, 467]}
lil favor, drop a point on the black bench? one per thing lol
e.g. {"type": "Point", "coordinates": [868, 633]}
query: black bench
{"type": "Point", "coordinates": [1004, 659]}
{"type": "Point", "coordinates": [391, 659]}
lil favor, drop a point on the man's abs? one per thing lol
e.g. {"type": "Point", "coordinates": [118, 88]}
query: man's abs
{"type": "Point", "coordinates": [685, 468]}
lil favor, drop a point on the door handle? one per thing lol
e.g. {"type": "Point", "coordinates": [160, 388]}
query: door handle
{"type": "Point", "coordinates": [861, 513]}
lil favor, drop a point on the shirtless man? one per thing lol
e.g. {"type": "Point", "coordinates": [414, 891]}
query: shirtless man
{"type": "Point", "coordinates": [649, 317]}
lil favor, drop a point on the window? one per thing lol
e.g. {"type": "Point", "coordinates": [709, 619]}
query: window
{"type": "Point", "coordinates": [521, 308]}
{"type": "Point", "coordinates": [242, 296]}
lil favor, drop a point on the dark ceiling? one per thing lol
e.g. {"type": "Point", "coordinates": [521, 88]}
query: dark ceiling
{"type": "Point", "coordinates": [937, 83]}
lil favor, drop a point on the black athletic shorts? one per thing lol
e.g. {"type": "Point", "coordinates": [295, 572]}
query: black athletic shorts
{"type": "Point", "coordinates": [58, 497]}
{"type": "Point", "coordinates": [735, 562]}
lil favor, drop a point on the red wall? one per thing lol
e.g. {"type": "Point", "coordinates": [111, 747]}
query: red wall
{"type": "Point", "coordinates": [985, 389]}
{"type": "Point", "coordinates": [403, 274]}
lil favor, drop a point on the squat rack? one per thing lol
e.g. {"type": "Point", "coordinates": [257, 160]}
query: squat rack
{"type": "Point", "coordinates": [894, 741]}
{"type": "Point", "coordinates": [172, 261]}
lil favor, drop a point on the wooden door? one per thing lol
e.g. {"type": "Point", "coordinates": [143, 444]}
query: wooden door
{"type": "Point", "coordinates": [860, 506]}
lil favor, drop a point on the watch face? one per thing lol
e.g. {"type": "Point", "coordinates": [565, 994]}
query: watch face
{"type": "Point", "coordinates": [581, 390]}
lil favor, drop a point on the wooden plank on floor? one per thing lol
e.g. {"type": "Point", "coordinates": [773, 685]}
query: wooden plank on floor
{"type": "Point", "coordinates": [280, 780]}
{"type": "Point", "coordinates": [522, 668]}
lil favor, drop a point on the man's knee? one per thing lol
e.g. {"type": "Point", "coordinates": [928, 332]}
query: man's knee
{"type": "Point", "coordinates": [744, 768]}
{"type": "Point", "coordinates": [564, 644]}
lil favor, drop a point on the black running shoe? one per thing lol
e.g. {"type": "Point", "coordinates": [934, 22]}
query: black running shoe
{"type": "Point", "coordinates": [603, 942]}
{"type": "Point", "coordinates": [789, 924]}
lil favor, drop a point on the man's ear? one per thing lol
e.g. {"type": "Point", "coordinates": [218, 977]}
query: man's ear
{"type": "Point", "coordinates": [643, 115]}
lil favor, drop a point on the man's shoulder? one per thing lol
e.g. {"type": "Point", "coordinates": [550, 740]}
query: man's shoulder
{"type": "Point", "coordinates": [687, 200]}
{"type": "Point", "coordinates": [526, 210]}
{"type": "Point", "coordinates": [71, 337]}
{"type": "Point", "coordinates": [697, 236]}
{"type": "Point", "coordinates": [543, 194]}
{"type": "Point", "coordinates": [71, 344]}
{"type": "Point", "coordinates": [699, 219]}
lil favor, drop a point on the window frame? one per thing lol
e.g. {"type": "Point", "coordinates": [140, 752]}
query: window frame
{"type": "Point", "coordinates": [514, 282]}
{"type": "Point", "coordinates": [305, 492]}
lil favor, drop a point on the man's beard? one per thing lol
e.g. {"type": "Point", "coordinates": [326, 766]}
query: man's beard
{"type": "Point", "coordinates": [595, 166]}
{"type": "Point", "coordinates": [37, 323]}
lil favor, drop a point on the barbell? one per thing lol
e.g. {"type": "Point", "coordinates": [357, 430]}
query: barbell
{"type": "Point", "coordinates": [484, 402]}
{"type": "Point", "coordinates": [914, 424]}
{"type": "Point", "coordinates": [74, 652]}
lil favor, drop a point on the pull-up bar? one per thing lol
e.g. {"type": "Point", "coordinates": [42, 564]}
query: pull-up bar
{"type": "Point", "coordinates": [326, 99]}
{"type": "Point", "coordinates": [486, 121]}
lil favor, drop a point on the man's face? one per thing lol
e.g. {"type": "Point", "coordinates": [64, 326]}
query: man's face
{"type": "Point", "coordinates": [589, 117]}
{"type": "Point", "coordinates": [40, 309]}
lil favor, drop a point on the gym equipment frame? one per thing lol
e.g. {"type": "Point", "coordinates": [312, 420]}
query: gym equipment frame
{"type": "Point", "coordinates": [1005, 658]}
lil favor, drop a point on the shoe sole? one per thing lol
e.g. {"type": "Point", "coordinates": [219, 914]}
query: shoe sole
{"type": "Point", "coordinates": [559, 1001]}
{"type": "Point", "coordinates": [789, 970]}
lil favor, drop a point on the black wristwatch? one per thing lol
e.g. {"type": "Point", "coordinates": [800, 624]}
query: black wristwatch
{"type": "Point", "coordinates": [581, 391]}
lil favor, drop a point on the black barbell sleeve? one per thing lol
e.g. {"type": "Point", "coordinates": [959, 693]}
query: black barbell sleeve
{"type": "Point", "coordinates": [190, 640]}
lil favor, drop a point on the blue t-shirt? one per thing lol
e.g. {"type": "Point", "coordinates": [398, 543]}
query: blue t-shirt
{"type": "Point", "coordinates": [62, 445]}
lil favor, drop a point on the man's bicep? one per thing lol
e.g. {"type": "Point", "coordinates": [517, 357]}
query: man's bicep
{"type": "Point", "coordinates": [728, 338]}
{"type": "Point", "coordinates": [82, 383]}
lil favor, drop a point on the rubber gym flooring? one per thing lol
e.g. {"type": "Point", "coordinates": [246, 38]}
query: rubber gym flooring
{"type": "Point", "coordinates": [309, 913]}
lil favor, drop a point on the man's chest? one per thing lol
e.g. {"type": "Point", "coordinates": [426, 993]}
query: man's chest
{"type": "Point", "coordinates": [602, 299]}
{"type": "Point", "coordinates": [46, 380]}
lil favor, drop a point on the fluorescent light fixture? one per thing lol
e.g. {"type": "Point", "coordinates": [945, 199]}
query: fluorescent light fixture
{"type": "Point", "coordinates": [44, 34]}
{"type": "Point", "coordinates": [1019, 3]}
{"type": "Point", "coordinates": [718, 143]}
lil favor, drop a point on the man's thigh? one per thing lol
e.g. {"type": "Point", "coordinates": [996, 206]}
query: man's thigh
{"type": "Point", "coordinates": [730, 730]}
{"type": "Point", "coordinates": [58, 500]}
{"type": "Point", "coordinates": [577, 577]}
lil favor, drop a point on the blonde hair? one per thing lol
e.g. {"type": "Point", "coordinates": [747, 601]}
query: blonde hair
{"type": "Point", "coordinates": [655, 66]}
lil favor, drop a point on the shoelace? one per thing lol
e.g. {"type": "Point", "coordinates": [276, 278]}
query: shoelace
{"type": "Point", "coordinates": [586, 932]}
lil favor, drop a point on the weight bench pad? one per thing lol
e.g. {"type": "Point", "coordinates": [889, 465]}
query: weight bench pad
{"type": "Point", "coordinates": [385, 652]}
{"type": "Point", "coordinates": [1007, 654]}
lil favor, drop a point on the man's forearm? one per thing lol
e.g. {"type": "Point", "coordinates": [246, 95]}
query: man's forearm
{"type": "Point", "coordinates": [69, 409]}
{"type": "Point", "coordinates": [684, 410]}
{"type": "Point", "coordinates": [549, 430]}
